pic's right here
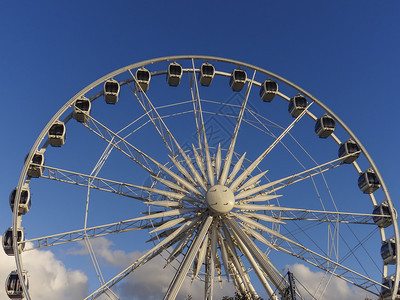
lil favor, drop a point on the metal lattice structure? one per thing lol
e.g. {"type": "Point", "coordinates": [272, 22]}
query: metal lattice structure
{"type": "Point", "coordinates": [230, 195]}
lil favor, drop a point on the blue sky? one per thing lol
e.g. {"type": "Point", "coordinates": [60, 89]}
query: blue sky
{"type": "Point", "coordinates": [346, 53]}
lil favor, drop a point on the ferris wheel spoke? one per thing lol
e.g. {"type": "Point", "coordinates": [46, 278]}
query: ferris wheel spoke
{"type": "Point", "coordinates": [236, 261]}
{"type": "Point", "coordinates": [201, 131]}
{"type": "Point", "coordinates": [224, 254]}
{"type": "Point", "coordinates": [107, 185]}
{"type": "Point", "coordinates": [93, 182]}
{"type": "Point", "coordinates": [258, 260]}
{"type": "Point", "coordinates": [200, 163]}
{"type": "Point", "coordinates": [286, 181]}
{"type": "Point", "coordinates": [228, 158]}
{"type": "Point", "coordinates": [235, 169]}
{"type": "Point", "coordinates": [85, 233]}
{"type": "Point", "coordinates": [328, 265]}
{"type": "Point", "coordinates": [153, 252]}
{"type": "Point", "coordinates": [170, 141]}
{"type": "Point", "coordinates": [241, 178]}
{"type": "Point", "coordinates": [289, 246]}
{"type": "Point", "coordinates": [184, 267]}
{"type": "Point", "coordinates": [297, 214]}
{"type": "Point", "coordinates": [198, 113]}
{"type": "Point", "coordinates": [200, 257]}
{"type": "Point", "coordinates": [213, 257]}
{"type": "Point", "coordinates": [141, 158]}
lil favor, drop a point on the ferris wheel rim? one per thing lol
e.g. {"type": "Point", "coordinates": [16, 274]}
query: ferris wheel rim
{"type": "Point", "coordinates": [69, 103]}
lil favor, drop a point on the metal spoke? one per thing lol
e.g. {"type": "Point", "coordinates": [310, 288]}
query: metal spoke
{"type": "Point", "coordinates": [295, 214]}
{"type": "Point", "coordinates": [156, 250]}
{"type": "Point", "coordinates": [81, 234]}
{"type": "Point", "coordinates": [283, 182]}
{"type": "Point", "coordinates": [328, 265]}
{"type": "Point", "coordinates": [201, 131]}
{"type": "Point", "coordinates": [93, 182]}
{"type": "Point", "coordinates": [163, 130]}
{"type": "Point", "coordinates": [228, 158]}
{"type": "Point", "coordinates": [236, 184]}
{"type": "Point", "coordinates": [141, 158]}
{"type": "Point", "coordinates": [183, 269]}
{"type": "Point", "coordinates": [120, 188]}
{"type": "Point", "coordinates": [253, 255]}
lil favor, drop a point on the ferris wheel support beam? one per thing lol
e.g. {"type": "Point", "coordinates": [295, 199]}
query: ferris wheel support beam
{"type": "Point", "coordinates": [286, 213]}
{"type": "Point", "coordinates": [255, 259]}
{"type": "Point", "coordinates": [327, 264]}
{"type": "Point", "coordinates": [201, 131]}
{"type": "Point", "coordinates": [198, 116]}
{"type": "Point", "coordinates": [167, 136]}
{"type": "Point", "coordinates": [237, 183]}
{"type": "Point", "coordinates": [286, 181]}
{"type": "Point", "coordinates": [156, 250]}
{"type": "Point", "coordinates": [184, 267]}
{"type": "Point", "coordinates": [134, 153]}
{"type": "Point", "coordinates": [228, 158]}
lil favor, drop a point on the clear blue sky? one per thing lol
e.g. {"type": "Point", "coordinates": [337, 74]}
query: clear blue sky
{"type": "Point", "coordinates": [346, 53]}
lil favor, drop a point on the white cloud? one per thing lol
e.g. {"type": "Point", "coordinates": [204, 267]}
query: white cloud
{"type": "Point", "coordinates": [337, 289]}
{"type": "Point", "coordinates": [49, 279]}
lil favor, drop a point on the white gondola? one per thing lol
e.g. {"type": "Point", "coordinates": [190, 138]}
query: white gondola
{"type": "Point", "coordinates": [296, 105]}
{"type": "Point", "coordinates": [143, 77]}
{"type": "Point", "coordinates": [174, 75]}
{"type": "Point", "coordinates": [382, 216]}
{"type": "Point", "coordinates": [368, 182]}
{"type": "Point", "coordinates": [349, 148]}
{"type": "Point", "coordinates": [24, 202]}
{"type": "Point", "coordinates": [268, 90]}
{"type": "Point", "coordinates": [8, 241]}
{"type": "Point", "coordinates": [14, 287]}
{"type": "Point", "coordinates": [56, 134]}
{"type": "Point", "coordinates": [325, 126]}
{"type": "Point", "coordinates": [238, 79]}
{"type": "Point", "coordinates": [387, 289]}
{"type": "Point", "coordinates": [207, 72]}
{"type": "Point", "coordinates": [388, 251]}
{"type": "Point", "coordinates": [111, 91]}
{"type": "Point", "coordinates": [82, 109]}
{"type": "Point", "coordinates": [35, 168]}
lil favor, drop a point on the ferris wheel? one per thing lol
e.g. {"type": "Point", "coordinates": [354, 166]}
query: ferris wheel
{"type": "Point", "coordinates": [230, 173]}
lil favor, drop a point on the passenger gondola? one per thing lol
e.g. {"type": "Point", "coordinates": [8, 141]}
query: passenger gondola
{"type": "Point", "coordinates": [174, 75]}
{"type": "Point", "coordinates": [35, 167]}
{"type": "Point", "coordinates": [325, 126]}
{"type": "Point", "coordinates": [387, 289]}
{"type": "Point", "coordinates": [8, 241]}
{"type": "Point", "coordinates": [207, 72]}
{"type": "Point", "coordinates": [349, 148]}
{"type": "Point", "coordinates": [388, 251]}
{"type": "Point", "coordinates": [56, 134]}
{"type": "Point", "coordinates": [82, 109]}
{"type": "Point", "coordinates": [382, 216]}
{"type": "Point", "coordinates": [238, 79]}
{"type": "Point", "coordinates": [296, 105]}
{"type": "Point", "coordinates": [24, 202]}
{"type": "Point", "coordinates": [368, 182]}
{"type": "Point", "coordinates": [143, 77]}
{"type": "Point", "coordinates": [14, 286]}
{"type": "Point", "coordinates": [268, 90]}
{"type": "Point", "coordinates": [111, 91]}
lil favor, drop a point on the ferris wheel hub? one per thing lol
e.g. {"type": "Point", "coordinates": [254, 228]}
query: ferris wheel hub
{"type": "Point", "coordinates": [220, 199]}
